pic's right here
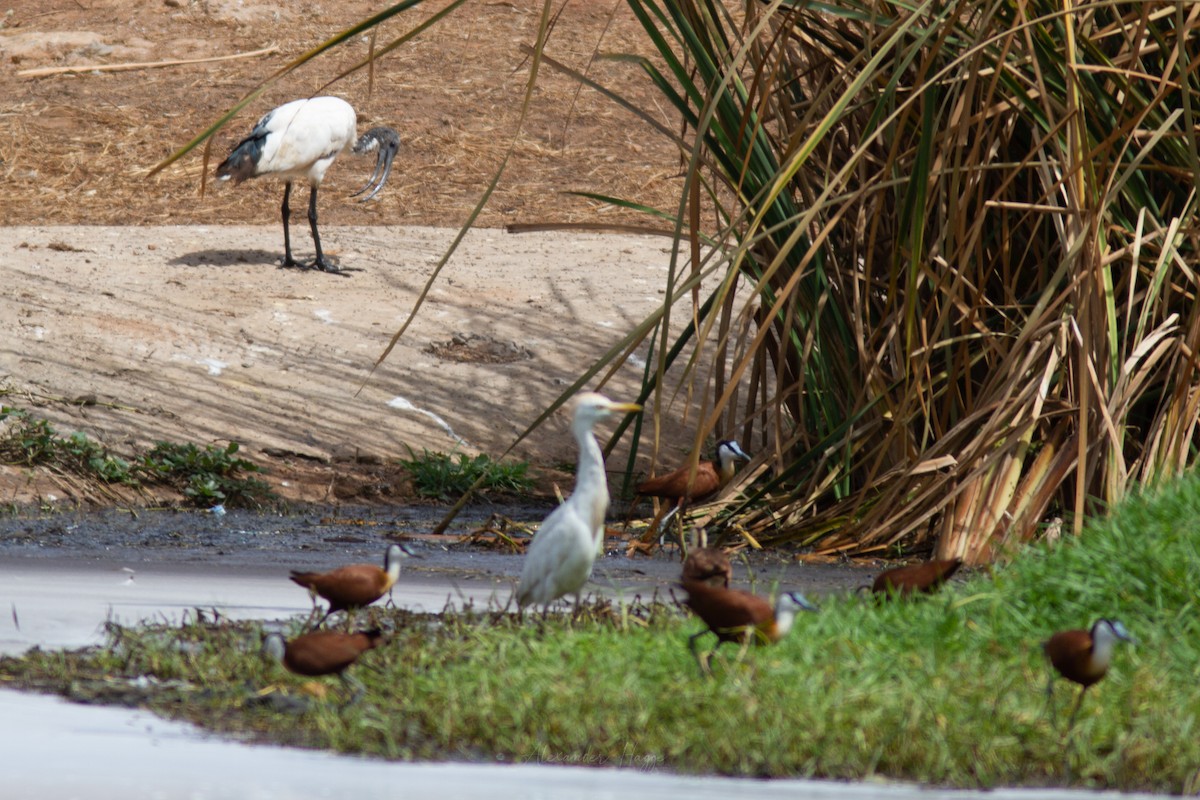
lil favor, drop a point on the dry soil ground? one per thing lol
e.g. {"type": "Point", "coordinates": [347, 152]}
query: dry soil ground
{"type": "Point", "coordinates": [135, 308]}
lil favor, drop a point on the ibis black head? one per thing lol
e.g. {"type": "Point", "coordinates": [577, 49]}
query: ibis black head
{"type": "Point", "coordinates": [387, 142]}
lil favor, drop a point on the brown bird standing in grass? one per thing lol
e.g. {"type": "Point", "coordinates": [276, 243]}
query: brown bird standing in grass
{"type": "Point", "coordinates": [914, 578]}
{"type": "Point", "coordinates": [736, 616]}
{"type": "Point", "coordinates": [1083, 656]}
{"type": "Point", "coordinates": [707, 565]}
{"type": "Point", "coordinates": [354, 586]}
{"type": "Point", "coordinates": [324, 653]}
{"type": "Point", "coordinates": [681, 488]}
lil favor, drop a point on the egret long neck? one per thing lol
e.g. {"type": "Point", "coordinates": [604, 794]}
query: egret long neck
{"type": "Point", "coordinates": [591, 483]}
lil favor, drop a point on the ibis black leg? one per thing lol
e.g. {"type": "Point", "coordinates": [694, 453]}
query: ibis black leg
{"type": "Point", "coordinates": [288, 261]}
{"type": "Point", "coordinates": [320, 263]}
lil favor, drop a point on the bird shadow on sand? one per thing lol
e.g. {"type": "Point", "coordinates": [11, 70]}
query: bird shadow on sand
{"type": "Point", "coordinates": [233, 258]}
{"type": "Point", "coordinates": [226, 258]}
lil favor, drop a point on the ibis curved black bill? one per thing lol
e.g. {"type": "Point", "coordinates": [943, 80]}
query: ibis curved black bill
{"type": "Point", "coordinates": [387, 142]}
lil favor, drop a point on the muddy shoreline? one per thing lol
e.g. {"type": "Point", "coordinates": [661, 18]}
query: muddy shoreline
{"type": "Point", "coordinates": [325, 536]}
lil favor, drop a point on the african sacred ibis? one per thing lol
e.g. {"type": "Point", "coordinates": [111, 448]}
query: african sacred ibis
{"type": "Point", "coordinates": [299, 141]}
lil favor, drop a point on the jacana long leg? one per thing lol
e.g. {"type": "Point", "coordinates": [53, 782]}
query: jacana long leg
{"type": "Point", "coordinates": [1075, 711]}
{"type": "Point", "coordinates": [1048, 710]}
{"type": "Point", "coordinates": [702, 664]}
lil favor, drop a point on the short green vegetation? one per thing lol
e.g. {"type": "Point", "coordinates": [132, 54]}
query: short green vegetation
{"type": "Point", "coordinates": [30, 442]}
{"type": "Point", "coordinates": [205, 476]}
{"type": "Point", "coordinates": [944, 690]}
{"type": "Point", "coordinates": [445, 476]}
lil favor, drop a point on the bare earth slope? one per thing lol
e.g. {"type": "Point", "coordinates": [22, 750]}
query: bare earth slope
{"type": "Point", "coordinates": [192, 334]}
{"type": "Point", "coordinates": [173, 322]}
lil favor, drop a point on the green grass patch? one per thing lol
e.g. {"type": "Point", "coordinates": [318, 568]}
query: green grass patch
{"type": "Point", "coordinates": [447, 476]}
{"type": "Point", "coordinates": [205, 475]}
{"type": "Point", "coordinates": [947, 690]}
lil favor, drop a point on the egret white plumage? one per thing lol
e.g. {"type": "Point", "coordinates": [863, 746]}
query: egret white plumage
{"type": "Point", "coordinates": [299, 141]}
{"type": "Point", "coordinates": [559, 559]}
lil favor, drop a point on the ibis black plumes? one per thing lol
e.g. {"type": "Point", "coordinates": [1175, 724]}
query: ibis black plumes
{"type": "Point", "coordinates": [299, 141]}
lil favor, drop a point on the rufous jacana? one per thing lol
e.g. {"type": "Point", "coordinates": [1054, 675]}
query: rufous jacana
{"type": "Point", "coordinates": [559, 559]}
{"type": "Point", "coordinates": [909, 580]}
{"type": "Point", "coordinates": [681, 488]}
{"type": "Point", "coordinates": [707, 565]}
{"type": "Point", "coordinates": [357, 585]}
{"type": "Point", "coordinates": [1083, 656]}
{"type": "Point", "coordinates": [323, 653]}
{"type": "Point", "coordinates": [733, 615]}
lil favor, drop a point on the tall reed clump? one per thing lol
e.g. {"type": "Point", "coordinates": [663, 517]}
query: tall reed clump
{"type": "Point", "coordinates": [948, 253]}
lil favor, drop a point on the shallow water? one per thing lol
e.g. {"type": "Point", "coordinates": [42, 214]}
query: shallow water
{"type": "Point", "coordinates": [63, 576]}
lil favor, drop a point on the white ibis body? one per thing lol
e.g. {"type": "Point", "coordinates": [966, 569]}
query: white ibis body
{"type": "Point", "coordinates": [299, 141]}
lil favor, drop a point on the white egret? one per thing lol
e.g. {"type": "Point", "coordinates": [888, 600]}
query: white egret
{"type": "Point", "coordinates": [559, 559]}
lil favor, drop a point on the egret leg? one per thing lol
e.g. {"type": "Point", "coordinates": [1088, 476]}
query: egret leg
{"type": "Point", "coordinates": [320, 262]}
{"type": "Point", "coordinates": [288, 261]}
